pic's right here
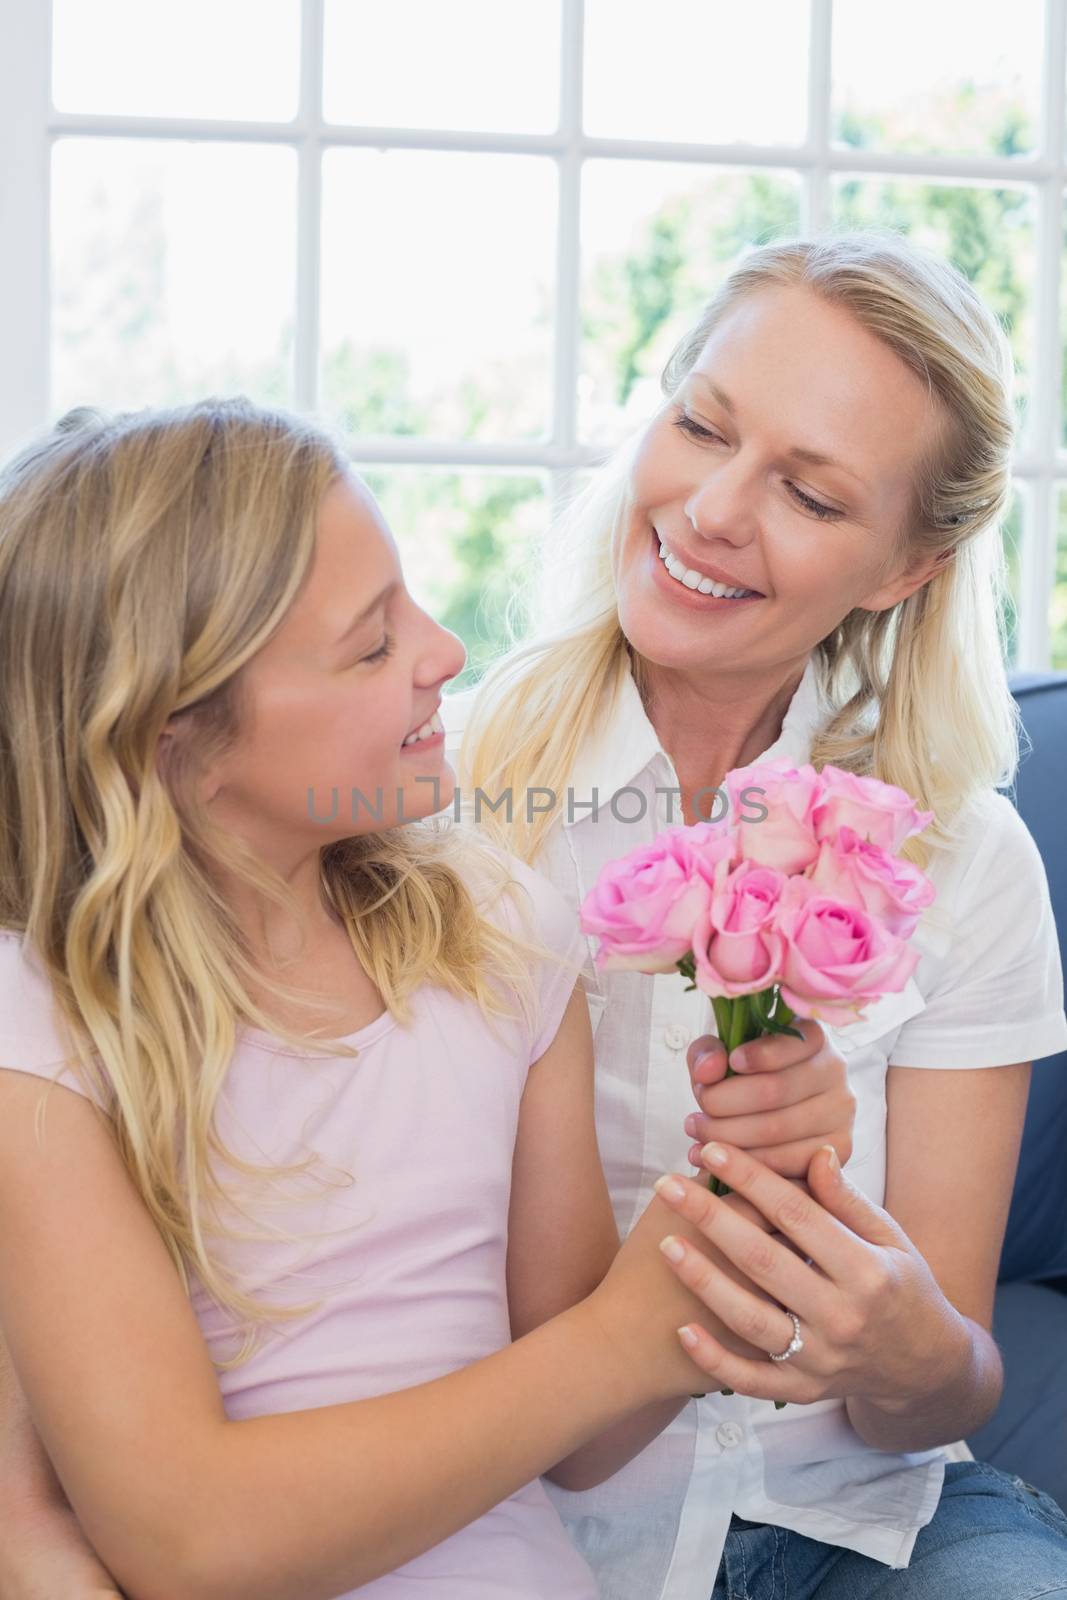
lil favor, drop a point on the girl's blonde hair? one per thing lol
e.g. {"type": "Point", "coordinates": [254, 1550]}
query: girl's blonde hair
{"type": "Point", "coordinates": [919, 692]}
{"type": "Point", "coordinates": [144, 559]}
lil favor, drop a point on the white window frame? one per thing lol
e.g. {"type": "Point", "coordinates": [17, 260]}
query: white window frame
{"type": "Point", "coordinates": [29, 125]}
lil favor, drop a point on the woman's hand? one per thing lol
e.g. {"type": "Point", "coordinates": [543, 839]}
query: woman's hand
{"type": "Point", "coordinates": [791, 1096]}
{"type": "Point", "coordinates": [873, 1318]}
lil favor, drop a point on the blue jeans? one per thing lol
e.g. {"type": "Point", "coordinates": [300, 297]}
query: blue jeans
{"type": "Point", "coordinates": [992, 1537]}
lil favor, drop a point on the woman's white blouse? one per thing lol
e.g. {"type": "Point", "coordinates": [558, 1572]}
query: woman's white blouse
{"type": "Point", "coordinates": [988, 990]}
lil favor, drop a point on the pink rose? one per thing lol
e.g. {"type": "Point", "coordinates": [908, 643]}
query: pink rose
{"type": "Point", "coordinates": [736, 945]}
{"type": "Point", "coordinates": [775, 827]}
{"type": "Point", "coordinates": [893, 891]}
{"type": "Point", "coordinates": [837, 956]}
{"type": "Point", "coordinates": [877, 811]}
{"type": "Point", "coordinates": [645, 905]}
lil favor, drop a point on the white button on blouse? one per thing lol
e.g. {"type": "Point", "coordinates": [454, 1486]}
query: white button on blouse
{"type": "Point", "coordinates": [988, 990]}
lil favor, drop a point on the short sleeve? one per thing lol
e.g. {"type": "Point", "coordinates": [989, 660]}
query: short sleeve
{"type": "Point", "coordinates": [29, 1037]}
{"type": "Point", "coordinates": [996, 995]}
{"type": "Point", "coordinates": [551, 922]}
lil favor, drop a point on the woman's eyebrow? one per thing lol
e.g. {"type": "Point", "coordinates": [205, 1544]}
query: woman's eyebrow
{"type": "Point", "coordinates": [812, 458]}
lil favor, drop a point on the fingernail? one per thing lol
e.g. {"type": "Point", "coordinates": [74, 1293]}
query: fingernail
{"type": "Point", "coordinates": [738, 1061]}
{"type": "Point", "coordinates": [672, 1249]}
{"type": "Point", "coordinates": [669, 1188]}
{"type": "Point", "coordinates": [691, 1125]}
{"type": "Point", "coordinates": [714, 1155]}
{"type": "Point", "coordinates": [834, 1164]}
{"type": "Point", "coordinates": [688, 1337]}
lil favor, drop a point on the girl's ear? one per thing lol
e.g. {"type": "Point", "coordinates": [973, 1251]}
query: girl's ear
{"type": "Point", "coordinates": [175, 731]}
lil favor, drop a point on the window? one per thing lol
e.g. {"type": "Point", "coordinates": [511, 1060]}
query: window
{"type": "Point", "coordinates": [469, 231]}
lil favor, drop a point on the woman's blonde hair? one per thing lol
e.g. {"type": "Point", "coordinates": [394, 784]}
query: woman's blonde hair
{"type": "Point", "coordinates": [919, 692]}
{"type": "Point", "coordinates": [144, 559]}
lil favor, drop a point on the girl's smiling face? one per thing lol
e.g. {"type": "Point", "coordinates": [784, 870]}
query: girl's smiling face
{"type": "Point", "coordinates": [786, 464]}
{"type": "Point", "coordinates": [354, 668]}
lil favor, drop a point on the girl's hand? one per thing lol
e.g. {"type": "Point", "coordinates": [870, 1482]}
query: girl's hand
{"type": "Point", "coordinates": [640, 1304]}
{"type": "Point", "coordinates": [873, 1318]}
{"type": "Point", "coordinates": [791, 1096]}
{"type": "Point", "coordinates": [47, 1557]}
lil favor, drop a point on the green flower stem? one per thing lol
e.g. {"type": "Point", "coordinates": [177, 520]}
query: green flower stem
{"type": "Point", "coordinates": [738, 1020]}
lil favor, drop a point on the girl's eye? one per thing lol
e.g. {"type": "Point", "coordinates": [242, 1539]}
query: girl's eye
{"type": "Point", "coordinates": [383, 650]}
{"type": "Point", "coordinates": [816, 507]}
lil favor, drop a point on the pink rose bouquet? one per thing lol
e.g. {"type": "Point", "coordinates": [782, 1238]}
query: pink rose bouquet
{"type": "Point", "coordinates": [803, 909]}
{"type": "Point", "coordinates": [794, 905]}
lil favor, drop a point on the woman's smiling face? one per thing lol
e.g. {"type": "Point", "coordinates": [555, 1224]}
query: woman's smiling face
{"type": "Point", "coordinates": [786, 463]}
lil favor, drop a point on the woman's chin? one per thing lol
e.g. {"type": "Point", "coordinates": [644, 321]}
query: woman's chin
{"type": "Point", "coordinates": [664, 641]}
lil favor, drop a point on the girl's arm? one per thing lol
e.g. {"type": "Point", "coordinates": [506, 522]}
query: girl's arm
{"type": "Point", "coordinates": [562, 1236]}
{"type": "Point", "coordinates": [177, 1499]}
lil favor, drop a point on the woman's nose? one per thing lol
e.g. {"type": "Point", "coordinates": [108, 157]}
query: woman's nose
{"type": "Point", "coordinates": [722, 504]}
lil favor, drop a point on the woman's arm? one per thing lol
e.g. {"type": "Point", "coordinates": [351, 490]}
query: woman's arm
{"type": "Point", "coordinates": [177, 1499]}
{"type": "Point", "coordinates": [952, 1154]}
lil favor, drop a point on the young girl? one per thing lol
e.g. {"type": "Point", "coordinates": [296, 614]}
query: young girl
{"type": "Point", "coordinates": [320, 1143]}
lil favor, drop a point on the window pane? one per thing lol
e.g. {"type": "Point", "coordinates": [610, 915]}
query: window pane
{"type": "Point", "coordinates": [491, 64]}
{"type": "Point", "coordinates": [657, 239]}
{"type": "Point", "coordinates": [958, 77]}
{"type": "Point", "coordinates": [173, 271]}
{"type": "Point", "coordinates": [203, 58]}
{"type": "Point", "coordinates": [988, 233]}
{"type": "Point", "coordinates": [1058, 607]}
{"type": "Point", "coordinates": [467, 540]}
{"type": "Point", "coordinates": [697, 72]}
{"type": "Point", "coordinates": [437, 277]}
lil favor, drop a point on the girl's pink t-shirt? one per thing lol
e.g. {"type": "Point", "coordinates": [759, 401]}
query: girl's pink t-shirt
{"type": "Point", "coordinates": [411, 1267]}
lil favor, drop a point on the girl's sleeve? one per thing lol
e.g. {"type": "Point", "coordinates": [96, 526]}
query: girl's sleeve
{"type": "Point", "coordinates": [30, 1040]}
{"type": "Point", "coordinates": [553, 922]}
{"type": "Point", "coordinates": [997, 996]}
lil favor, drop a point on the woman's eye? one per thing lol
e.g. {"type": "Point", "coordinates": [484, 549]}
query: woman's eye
{"type": "Point", "coordinates": [383, 650]}
{"type": "Point", "coordinates": [816, 507]}
{"type": "Point", "coordinates": [695, 430]}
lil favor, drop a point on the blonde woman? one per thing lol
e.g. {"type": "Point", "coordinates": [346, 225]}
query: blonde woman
{"type": "Point", "coordinates": [800, 556]}
{"type": "Point", "coordinates": [307, 1264]}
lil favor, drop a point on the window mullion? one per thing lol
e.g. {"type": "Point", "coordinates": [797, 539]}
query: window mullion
{"type": "Point", "coordinates": [567, 347]}
{"type": "Point", "coordinates": [817, 185]}
{"type": "Point", "coordinates": [25, 99]}
{"type": "Point", "coordinates": [309, 209]}
{"type": "Point", "coordinates": [1037, 564]}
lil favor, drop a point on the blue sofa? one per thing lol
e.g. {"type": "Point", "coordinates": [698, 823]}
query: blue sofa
{"type": "Point", "coordinates": [1028, 1433]}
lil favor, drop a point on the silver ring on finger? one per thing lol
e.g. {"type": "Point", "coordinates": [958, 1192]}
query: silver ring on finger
{"type": "Point", "coordinates": [795, 1344]}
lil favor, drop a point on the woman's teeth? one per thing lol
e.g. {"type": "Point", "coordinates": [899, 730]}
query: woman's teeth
{"type": "Point", "coordinates": [435, 725]}
{"type": "Point", "coordinates": [695, 580]}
